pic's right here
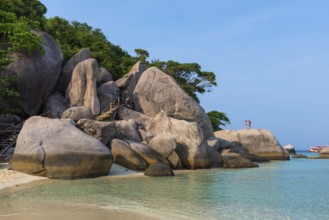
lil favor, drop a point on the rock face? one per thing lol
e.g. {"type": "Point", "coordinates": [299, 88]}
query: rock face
{"type": "Point", "coordinates": [66, 73]}
{"type": "Point", "coordinates": [103, 76]}
{"type": "Point", "coordinates": [290, 149]}
{"type": "Point", "coordinates": [104, 131]}
{"type": "Point", "coordinates": [163, 145]}
{"type": "Point", "coordinates": [55, 148]}
{"type": "Point", "coordinates": [38, 75]}
{"type": "Point", "coordinates": [107, 94]}
{"type": "Point", "coordinates": [126, 130]}
{"type": "Point", "coordinates": [324, 153]}
{"type": "Point", "coordinates": [129, 81]}
{"type": "Point", "coordinates": [157, 91]}
{"type": "Point", "coordinates": [82, 90]}
{"type": "Point", "coordinates": [191, 147]}
{"type": "Point", "coordinates": [77, 113]}
{"type": "Point", "coordinates": [125, 156]}
{"type": "Point", "coordinates": [148, 154]}
{"type": "Point", "coordinates": [259, 142]}
{"type": "Point", "coordinates": [54, 106]}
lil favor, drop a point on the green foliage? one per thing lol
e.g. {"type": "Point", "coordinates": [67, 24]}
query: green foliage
{"type": "Point", "coordinates": [218, 119]}
{"type": "Point", "coordinates": [74, 36]}
{"type": "Point", "coordinates": [7, 92]}
{"type": "Point", "coordinates": [17, 18]}
{"type": "Point", "coordinates": [142, 55]}
{"type": "Point", "coordinates": [31, 10]}
{"type": "Point", "coordinates": [189, 76]}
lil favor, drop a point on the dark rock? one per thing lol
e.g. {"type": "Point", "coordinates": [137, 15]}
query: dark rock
{"type": "Point", "coordinates": [54, 106]}
{"type": "Point", "coordinates": [103, 76]}
{"type": "Point", "coordinates": [159, 170]}
{"type": "Point", "coordinates": [234, 160]}
{"type": "Point", "coordinates": [38, 74]}
{"type": "Point", "coordinates": [298, 156]}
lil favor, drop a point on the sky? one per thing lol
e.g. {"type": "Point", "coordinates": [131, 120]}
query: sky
{"type": "Point", "coordinates": [271, 58]}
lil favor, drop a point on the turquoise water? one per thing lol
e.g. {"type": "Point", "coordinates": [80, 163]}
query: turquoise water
{"type": "Point", "coordinates": [295, 189]}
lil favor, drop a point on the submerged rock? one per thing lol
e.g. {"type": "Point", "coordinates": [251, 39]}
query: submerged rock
{"type": "Point", "coordinates": [234, 160]}
{"type": "Point", "coordinates": [299, 156]}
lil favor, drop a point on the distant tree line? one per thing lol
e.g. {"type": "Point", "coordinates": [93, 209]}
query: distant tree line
{"type": "Point", "coordinates": [18, 17]}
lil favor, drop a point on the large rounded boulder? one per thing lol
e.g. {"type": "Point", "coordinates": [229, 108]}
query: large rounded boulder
{"type": "Point", "coordinates": [38, 73]}
{"type": "Point", "coordinates": [156, 91]}
{"type": "Point", "coordinates": [55, 148]}
{"type": "Point", "coordinates": [259, 142]}
{"type": "Point", "coordinates": [191, 146]}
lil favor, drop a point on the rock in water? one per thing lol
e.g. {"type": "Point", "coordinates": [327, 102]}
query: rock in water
{"type": "Point", "coordinates": [259, 142]}
{"type": "Point", "coordinates": [38, 74]}
{"type": "Point", "coordinates": [290, 149]}
{"type": "Point", "coordinates": [158, 170]}
{"type": "Point", "coordinates": [55, 148]}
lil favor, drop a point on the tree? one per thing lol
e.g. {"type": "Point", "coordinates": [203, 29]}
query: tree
{"type": "Point", "coordinates": [218, 119]}
{"type": "Point", "coordinates": [142, 55]}
{"type": "Point", "coordinates": [74, 36]}
{"type": "Point", "coordinates": [17, 19]}
{"type": "Point", "coordinates": [189, 76]}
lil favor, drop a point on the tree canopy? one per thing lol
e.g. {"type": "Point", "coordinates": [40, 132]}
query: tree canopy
{"type": "Point", "coordinates": [17, 19]}
{"type": "Point", "coordinates": [218, 120]}
{"type": "Point", "coordinates": [73, 36]}
{"type": "Point", "coordinates": [189, 76]}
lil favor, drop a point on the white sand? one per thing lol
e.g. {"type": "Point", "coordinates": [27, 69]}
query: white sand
{"type": "Point", "coordinates": [9, 178]}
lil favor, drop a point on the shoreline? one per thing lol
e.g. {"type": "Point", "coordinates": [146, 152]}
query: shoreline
{"type": "Point", "coordinates": [13, 181]}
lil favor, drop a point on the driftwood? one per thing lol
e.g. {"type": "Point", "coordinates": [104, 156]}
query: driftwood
{"type": "Point", "coordinates": [110, 114]}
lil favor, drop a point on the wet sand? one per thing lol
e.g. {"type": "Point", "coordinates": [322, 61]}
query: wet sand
{"type": "Point", "coordinates": [12, 181]}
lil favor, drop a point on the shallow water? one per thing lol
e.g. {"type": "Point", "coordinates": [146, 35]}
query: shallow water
{"type": "Point", "coordinates": [295, 189]}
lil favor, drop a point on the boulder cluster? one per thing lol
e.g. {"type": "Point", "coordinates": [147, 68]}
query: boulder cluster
{"type": "Point", "coordinates": [80, 121]}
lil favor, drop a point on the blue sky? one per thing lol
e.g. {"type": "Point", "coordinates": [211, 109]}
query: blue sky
{"type": "Point", "coordinates": [271, 58]}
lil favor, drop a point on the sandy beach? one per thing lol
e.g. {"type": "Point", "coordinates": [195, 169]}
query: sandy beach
{"type": "Point", "coordinates": [12, 181]}
{"type": "Point", "coordinates": [10, 178]}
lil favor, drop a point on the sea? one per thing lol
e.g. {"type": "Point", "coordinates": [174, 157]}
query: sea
{"type": "Point", "coordinates": [295, 189]}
